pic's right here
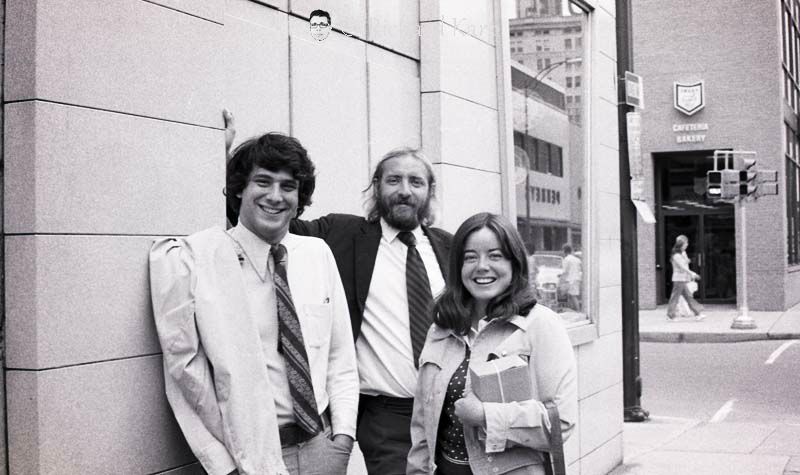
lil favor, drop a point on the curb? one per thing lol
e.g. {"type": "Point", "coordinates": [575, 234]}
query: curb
{"type": "Point", "coordinates": [712, 337]}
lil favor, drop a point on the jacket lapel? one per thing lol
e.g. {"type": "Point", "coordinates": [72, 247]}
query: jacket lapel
{"type": "Point", "coordinates": [365, 244]}
{"type": "Point", "coordinates": [441, 248]}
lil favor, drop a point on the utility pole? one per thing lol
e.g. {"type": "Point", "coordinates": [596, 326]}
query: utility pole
{"type": "Point", "coordinates": [631, 380]}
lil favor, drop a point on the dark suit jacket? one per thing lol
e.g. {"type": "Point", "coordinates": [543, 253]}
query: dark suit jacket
{"type": "Point", "coordinates": [354, 242]}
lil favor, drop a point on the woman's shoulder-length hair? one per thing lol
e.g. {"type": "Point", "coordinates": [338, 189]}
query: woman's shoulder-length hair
{"type": "Point", "coordinates": [677, 248]}
{"type": "Point", "coordinates": [453, 308]}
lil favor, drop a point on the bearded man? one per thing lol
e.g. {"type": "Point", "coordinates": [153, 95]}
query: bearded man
{"type": "Point", "coordinates": [391, 263]}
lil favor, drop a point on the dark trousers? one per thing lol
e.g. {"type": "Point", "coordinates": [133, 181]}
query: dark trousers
{"type": "Point", "coordinates": [384, 433]}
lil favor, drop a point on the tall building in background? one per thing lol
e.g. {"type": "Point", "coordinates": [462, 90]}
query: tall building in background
{"type": "Point", "coordinates": [711, 83]}
{"type": "Point", "coordinates": [547, 39]}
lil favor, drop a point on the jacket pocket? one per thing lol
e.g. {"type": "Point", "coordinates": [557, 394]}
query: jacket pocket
{"type": "Point", "coordinates": [316, 324]}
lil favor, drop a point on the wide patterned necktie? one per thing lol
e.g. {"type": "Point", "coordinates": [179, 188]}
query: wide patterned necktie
{"type": "Point", "coordinates": [290, 345]}
{"type": "Point", "coordinates": [420, 300]}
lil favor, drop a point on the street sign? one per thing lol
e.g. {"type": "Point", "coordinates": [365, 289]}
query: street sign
{"type": "Point", "coordinates": [634, 94]}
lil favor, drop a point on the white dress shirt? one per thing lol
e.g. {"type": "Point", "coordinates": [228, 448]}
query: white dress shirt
{"type": "Point", "coordinates": [325, 324]}
{"type": "Point", "coordinates": [385, 358]}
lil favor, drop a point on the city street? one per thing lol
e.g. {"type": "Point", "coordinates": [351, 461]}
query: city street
{"type": "Point", "coordinates": [717, 408]}
{"type": "Point", "coordinates": [729, 381]}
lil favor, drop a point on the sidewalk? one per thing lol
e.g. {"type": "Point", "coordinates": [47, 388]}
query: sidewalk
{"type": "Point", "coordinates": [716, 328]}
{"type": "Point", "coordinates": [674, 446]}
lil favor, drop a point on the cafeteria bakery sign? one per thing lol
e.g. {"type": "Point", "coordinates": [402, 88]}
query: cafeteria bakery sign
{"type": "Point", "coordinates": [690, 133]}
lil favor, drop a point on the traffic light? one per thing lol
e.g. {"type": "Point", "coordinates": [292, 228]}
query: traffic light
{"type": "Point", "coordinates": [730, 184]}
{"type": "Point", "coordinates": [747, 175]}
{"type": "Point", "coordinates": [767, 181]}
{"type": "Point", "coordinates": [714, 183]}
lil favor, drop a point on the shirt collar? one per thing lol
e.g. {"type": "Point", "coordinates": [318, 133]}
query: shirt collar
{"type": "Point", "coordinates": [516, 320]}
{"type": "Point", "coordinates": [256, 248]}
{"type": "Point", "coordinates": [390, 232]}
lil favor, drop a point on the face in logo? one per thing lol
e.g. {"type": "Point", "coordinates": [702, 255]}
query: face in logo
{"type": "Point", "coordinates": [320, 24]}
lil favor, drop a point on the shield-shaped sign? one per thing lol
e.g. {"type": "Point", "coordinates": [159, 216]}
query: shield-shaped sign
{"type": "Point", "coordinates": [689, 98]}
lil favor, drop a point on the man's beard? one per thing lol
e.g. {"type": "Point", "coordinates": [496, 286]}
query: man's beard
{"type": "Point", "coordinates": [405, 218]}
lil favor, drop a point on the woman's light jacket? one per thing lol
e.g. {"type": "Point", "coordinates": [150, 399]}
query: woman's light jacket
{"type": "Point", "coordinates": [516, 432]}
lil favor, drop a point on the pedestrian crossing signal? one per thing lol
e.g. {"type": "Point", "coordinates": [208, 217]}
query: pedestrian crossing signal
{"type": "Point", "coordinates": [714, 183]}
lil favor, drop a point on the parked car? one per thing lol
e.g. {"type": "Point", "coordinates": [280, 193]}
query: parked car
{"type": "Point", "coordinates": [545, 272]}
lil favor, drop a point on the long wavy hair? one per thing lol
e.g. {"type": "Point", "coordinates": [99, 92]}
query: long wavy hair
{"type": "Point", "coordinates": [372, 194]}
{"type": "Point", "coordinates": [454, 307]}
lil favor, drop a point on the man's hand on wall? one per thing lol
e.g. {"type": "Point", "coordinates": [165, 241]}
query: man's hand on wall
{"type": "Point", "coordinates": [230, 130]}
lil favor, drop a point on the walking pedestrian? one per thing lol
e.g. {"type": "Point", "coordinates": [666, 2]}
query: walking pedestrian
{"type": "Point", "coordinates": [682, 275]}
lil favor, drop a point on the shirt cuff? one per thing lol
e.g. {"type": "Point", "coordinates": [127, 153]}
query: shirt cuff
{"type": "Point", "coordinates": [496, 427]}
{"type": "Point", "coordinates": [344, 422]}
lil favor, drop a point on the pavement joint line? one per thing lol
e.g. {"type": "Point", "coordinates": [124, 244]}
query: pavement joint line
{"type": "Point", "coordinates": [774, 430]}
{"type": "Point", "coordinates": [775, 354]}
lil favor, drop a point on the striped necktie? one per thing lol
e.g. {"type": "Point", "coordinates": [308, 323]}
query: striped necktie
{"type": "Point", "coordinates": [290, 345]}
{"type": "Point", "coordinates": [420, 299]}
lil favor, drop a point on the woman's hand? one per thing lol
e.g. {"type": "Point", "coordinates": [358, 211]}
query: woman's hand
{"type": "Point", "coordinates": [469, 409]}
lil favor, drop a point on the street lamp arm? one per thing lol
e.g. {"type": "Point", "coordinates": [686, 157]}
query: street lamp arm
{"type": "Point", "coordinates": [537, 79]}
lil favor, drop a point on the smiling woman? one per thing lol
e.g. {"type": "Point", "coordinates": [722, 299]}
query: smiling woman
{"type": "Point", "coordinates": [486, 272]}
{"type": "Point", "coordinates": [489, 255]}
{"type": "Point", "coordinates": [487, 310]}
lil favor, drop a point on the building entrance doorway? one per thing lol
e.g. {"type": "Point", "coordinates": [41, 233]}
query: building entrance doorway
{"type": "Point", "coordinates": [684, 208]}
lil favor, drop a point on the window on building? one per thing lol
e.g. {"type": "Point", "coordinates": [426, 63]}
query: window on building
{"type": "Point", "coordinates": [550, 146]}
{"type": "Point", "coordinates": [792, 155]}
{"type": "Point", "coordinates": [556, 162]}
{"type": "Point", "coordinates": [542, 157]}
{"type": "Point", "coordinates": [790, 53]}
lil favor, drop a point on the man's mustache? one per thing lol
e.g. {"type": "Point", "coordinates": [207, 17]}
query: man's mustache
{"type": "Point", "coordinates": [403, 201]}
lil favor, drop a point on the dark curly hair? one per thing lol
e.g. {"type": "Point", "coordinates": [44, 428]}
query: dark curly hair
{"type": "Point", "coordinates": [273, 151]}
{"type": "Point", "coordinates": [453, 308]}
